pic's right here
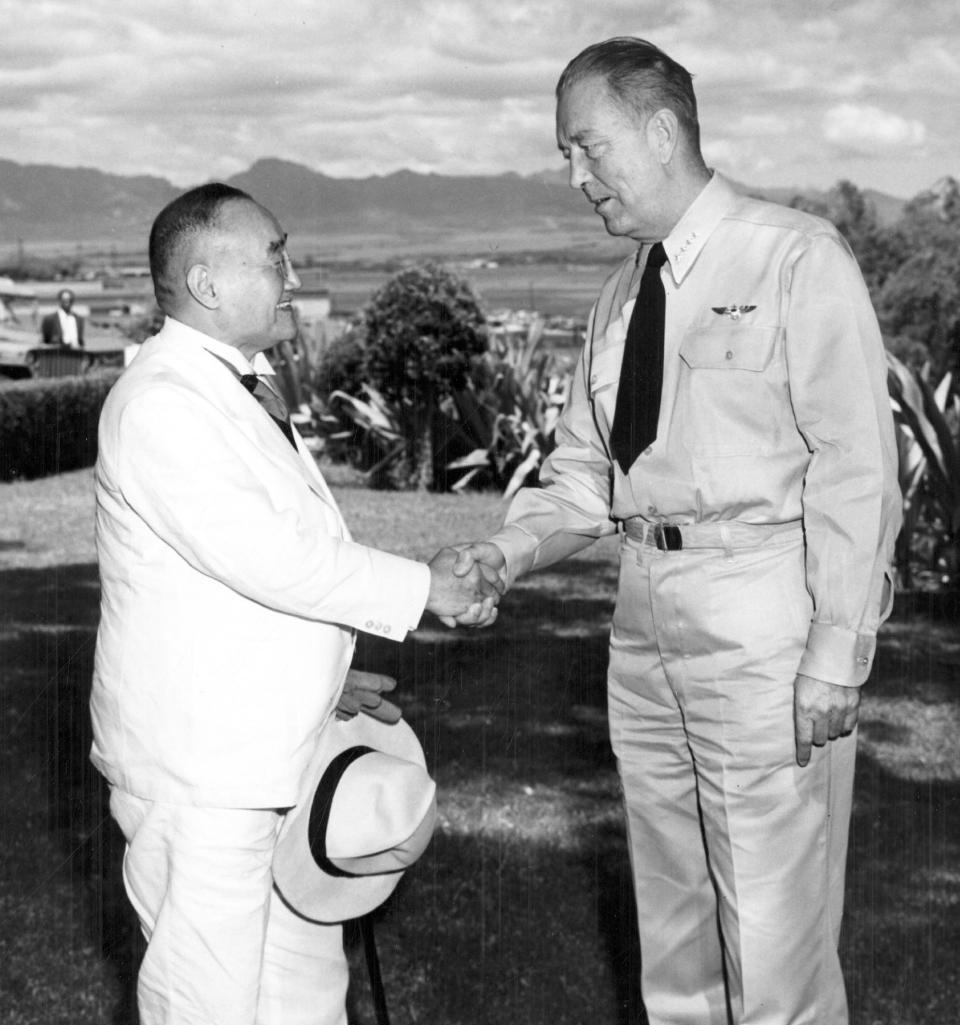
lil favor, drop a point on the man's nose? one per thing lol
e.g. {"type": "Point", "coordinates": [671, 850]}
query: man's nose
{"type": "Point", "coordinates": [291, 279]}
{"type": "Point", "coordinates": [579, 172]}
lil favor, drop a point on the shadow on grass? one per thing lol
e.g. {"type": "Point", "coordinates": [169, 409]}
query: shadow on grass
{"type": "Point", "coordinates": [901, 927]}
{"type": "Point", "coordinates": [498, 921]}
{"type": "Point", "coordinates": [515, 703]}
{"type": "Point", "coordinates": [489, 928]}
{"type": "Point", "coordinates": [49, 621]}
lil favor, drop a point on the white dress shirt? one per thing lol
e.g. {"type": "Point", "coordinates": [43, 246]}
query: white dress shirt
{"type": "Point", "coordinates": [68, 329]}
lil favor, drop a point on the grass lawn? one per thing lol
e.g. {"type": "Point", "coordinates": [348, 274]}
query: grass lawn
{"type": "Point", "coordinates": [521, 909]}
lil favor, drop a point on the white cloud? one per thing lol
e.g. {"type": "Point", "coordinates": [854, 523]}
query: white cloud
{"type": "Point", "coordinates": [868, 129]}
{"type": "Point", "coordinates": [186, 90]}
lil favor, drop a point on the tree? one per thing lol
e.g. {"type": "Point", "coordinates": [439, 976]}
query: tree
{"type": "Point", "coordinates": [423, 327]}
{"type": "Point", "coordinates": [912, 269]}
{"type": "Point", "coordinates": [879, 251]}
{"type": "Point", "coordinates": [919, 303]}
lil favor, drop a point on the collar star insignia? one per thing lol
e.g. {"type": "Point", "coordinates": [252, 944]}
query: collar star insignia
{"type": "Point", "coordinates": [733, 312]}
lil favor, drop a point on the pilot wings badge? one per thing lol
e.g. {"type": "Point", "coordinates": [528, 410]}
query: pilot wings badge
{"type": "Point", "coordinates": [733, 312]}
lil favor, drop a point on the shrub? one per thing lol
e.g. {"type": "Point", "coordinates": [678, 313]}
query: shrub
{"type": "Point", "coordinates": [49, 425]}
{"type": "Point", "coordinates": [422, 329]}
{"type": "Point", "coordinates": [342, 365]}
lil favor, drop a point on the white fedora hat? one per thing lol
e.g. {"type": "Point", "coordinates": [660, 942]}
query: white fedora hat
{"type": "Point", "coordinates": [367, 813]}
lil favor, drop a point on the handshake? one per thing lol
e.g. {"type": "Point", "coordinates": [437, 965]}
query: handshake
{"type": "Point", "coordinates": [466, 584]}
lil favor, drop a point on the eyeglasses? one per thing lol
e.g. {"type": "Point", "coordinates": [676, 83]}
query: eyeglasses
{"type": "Point", "coordinates": [283, 265]}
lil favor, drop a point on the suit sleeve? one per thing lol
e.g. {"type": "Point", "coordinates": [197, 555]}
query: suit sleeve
{"type": "Point", "coordinates": [233, 515]}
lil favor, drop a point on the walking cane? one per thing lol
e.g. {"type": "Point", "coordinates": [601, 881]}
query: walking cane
{"type": "Point", "coordinates": [373, 967]}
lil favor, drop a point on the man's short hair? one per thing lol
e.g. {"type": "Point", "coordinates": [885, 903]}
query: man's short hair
{"type": "Point", "coordinates": [642, 77]}
{"type": "Point", "coordinates": [177, 223]}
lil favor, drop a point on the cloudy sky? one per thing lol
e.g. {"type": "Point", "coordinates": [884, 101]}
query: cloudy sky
{"type": "Point", "coordinates": [792, 92]}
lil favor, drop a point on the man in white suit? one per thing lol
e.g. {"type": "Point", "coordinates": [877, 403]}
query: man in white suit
{"type": "Point", "coordinates": [231, 591]}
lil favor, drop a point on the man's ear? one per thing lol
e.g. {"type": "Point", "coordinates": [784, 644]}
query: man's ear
{"type": "Point", "coordinates": [202, 287]}
{"type": "Point", "coordinates": [663, 133]}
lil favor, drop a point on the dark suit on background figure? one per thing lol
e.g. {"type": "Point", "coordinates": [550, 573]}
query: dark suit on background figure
{"type": "Point", "coordinates": [63, 326]}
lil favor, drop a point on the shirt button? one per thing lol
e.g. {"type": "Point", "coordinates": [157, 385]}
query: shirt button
{"type": "Point", "coordinates": [863, 660]}
{"type": "Point", "coordinates": [648, 450]}
{"type": "Point", "coordinates": [729, 354]}
{"type": "Point", "coordinates": [651, 508]}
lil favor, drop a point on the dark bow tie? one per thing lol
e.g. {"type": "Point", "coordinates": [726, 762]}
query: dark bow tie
{"type": "Point", "coordinates": [269, 400]}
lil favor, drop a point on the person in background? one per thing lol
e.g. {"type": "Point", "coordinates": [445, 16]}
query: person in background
{"type": "Point", "coordinates": [729, 418]}
{"type": "Point", "coordinates": [231, 592]}
{"type": "Point", "coordinates": [63, 326]}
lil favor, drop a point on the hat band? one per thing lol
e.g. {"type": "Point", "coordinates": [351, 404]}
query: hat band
{"type": "Point", "coordinates": [322, 805]}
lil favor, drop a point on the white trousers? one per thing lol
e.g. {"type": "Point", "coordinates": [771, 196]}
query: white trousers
{"type": "Point", "coordinates": [738, 854]}
{"type": "Point", "coordinates": [222, 948]}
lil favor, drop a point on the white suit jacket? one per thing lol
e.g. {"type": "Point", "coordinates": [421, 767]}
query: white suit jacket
{"type": "Point", "coordinates": [230, 588]}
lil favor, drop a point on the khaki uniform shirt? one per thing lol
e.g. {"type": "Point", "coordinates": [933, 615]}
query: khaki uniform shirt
{"type": "Point", "coordinates": [774, 410]}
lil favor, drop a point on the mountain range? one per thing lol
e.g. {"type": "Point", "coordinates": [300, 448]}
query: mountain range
{"type": "Point", "coordinates": [44, 204]}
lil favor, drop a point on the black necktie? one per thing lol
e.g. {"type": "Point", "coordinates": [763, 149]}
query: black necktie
{"type": "Point", "coordinates": [641, 374]}
{"type": "Point", "coordinates": [271, 402]}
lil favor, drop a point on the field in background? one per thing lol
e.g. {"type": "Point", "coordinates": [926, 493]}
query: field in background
{"type": "Point", "coordinates": [555, 289]}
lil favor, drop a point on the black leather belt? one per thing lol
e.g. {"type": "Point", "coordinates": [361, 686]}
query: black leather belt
{"type": "Point", "coordinates": [721, 534]}
{"type": "Point", "coordinates": [668, 537]}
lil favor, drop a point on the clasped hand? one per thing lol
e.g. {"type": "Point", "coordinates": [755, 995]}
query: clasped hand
{"type": "Point", "coordinates": [466, 583]}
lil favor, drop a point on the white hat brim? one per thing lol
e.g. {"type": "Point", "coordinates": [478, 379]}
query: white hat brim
{"type": "Point", "coordinates": [311, 889]}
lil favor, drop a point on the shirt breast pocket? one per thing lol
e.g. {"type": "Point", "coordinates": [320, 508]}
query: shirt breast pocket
{"type": "Point", "coordinates": [604, 378]}
{"type": "Point", "coordinates": [729, 348]}
{"type": "Point", "coordinates": [731, 389]}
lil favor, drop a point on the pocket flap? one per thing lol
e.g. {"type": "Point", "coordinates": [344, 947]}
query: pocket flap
{"type": "Point", "coordinates": [729, 347]}
{"type": "Point", "coordinates": [605, 368]}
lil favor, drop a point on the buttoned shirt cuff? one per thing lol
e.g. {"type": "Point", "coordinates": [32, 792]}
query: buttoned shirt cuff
{"type": "Point", "coordinates": [519, 549]}
{"type": "Point", "coordinates": [836, 655]}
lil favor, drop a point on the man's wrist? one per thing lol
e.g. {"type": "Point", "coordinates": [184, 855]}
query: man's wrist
{"type": "Point", "coordinates": [837, 655]}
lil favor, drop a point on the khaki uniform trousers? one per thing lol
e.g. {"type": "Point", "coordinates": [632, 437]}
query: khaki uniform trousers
{"type": "Point", "coordinates": [737, 853]}
{"type": "Point", "coordinates": [222, 948]}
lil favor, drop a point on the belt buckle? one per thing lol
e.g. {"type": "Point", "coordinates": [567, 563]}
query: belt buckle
{"type": "Point", "coordinates": [668, 537]}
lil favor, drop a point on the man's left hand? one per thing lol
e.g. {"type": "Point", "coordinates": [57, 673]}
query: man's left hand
{"type": "Point", "coordinates": [822, 712]}
{"type": "Point", "coordinates": [363, 692]}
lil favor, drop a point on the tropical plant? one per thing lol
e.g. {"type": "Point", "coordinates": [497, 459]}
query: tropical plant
{"type": "Point", "coordinates": [423, 327]}
{"type": "Point", "coordinates": [297, 362]}
{"type": "Point", "coordinates": [508, 412]}
{"type": "Point", "coordinates": [927, 420]}
{"type": "Point", "coordinates": [367, 431]}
